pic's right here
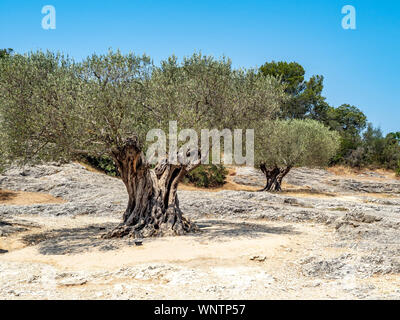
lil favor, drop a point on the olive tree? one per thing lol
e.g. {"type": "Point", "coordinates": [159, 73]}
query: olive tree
{"type": "Point", "coordinates": [284, 144]}
{"type": "Point", "coordinates": [3, 154]}
{"type": "Point", "coordinates": [38, 95]}
{"type": "Point", "coordinates": [55, 109]}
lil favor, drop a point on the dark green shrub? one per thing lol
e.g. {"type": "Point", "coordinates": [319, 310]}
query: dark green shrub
{"type": "Point", "coordinates": [207, 176]}
{"type": "Point", "coordinates": [398, 169]}
{"type": "Point", "coordinates": [103, 163]}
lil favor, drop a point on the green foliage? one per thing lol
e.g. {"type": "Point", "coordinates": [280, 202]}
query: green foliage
{"type": "Point", "coordinates": [38, 93]}
{"type": "Point", "coordinates": [360, 145]}
{"type": "Point", "coordinates": [291, 74]}
{"type": "Point", "coordinates": [5, 53]}
{"type": "Point", "coordinates": [289, 143]}
{"type": "Point", "coordinates": [398, 168]}
{"type": "Point", "coordinates": [370, 149]}
{"type": "Point", "coordinates": [207, 176]}
{"type": "Point", "coordinates": [387, 154]}
{"type": "Point", "coordinates": [349, 121]}
{"type": "Point", "coordinates": [3, 150]}
{"type": "Point", "coordinates": [204, 92]}
{"type": "Point", "coordinates": [53, 108]}
{"type": "Point", "coordinates": [347, 118]}
{"type": "Point", "coordinates": [305, 97]}
{"type": "Point", "coordinates": [103, 163]}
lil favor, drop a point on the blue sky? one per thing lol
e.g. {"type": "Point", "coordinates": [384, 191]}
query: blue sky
{"type": "Point", "coordinates": [361, 67]}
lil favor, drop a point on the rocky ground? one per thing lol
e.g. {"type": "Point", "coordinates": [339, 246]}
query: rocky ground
{"type": "Point", "coordinates": [329, 236]}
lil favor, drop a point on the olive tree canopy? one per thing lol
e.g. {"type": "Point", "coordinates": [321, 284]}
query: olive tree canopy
{"type": "Point", "coordinates": [284, 144]}
{"type": "Point", "coordinates": [53, 108]}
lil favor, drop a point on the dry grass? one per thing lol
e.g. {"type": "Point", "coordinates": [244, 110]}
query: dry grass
{"type": "Point", "coordinates": [88, 167]}
{"type": "Point", "coordinates": [228, 185]}
{"type": "Point", "coordinates": [388, 173]}
{"type": "Point", "coordinates": [344, 171]}
{"type": "Point", "coordinates": [8, 197]}
{"type": "Point", "coordinates": [287, 188]}
{"type": "Point", "coordinates": [381, 195]}
{"type": "Point", "coordinates": [355, 172]}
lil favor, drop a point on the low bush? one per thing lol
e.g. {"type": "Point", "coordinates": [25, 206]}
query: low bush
{"type": "Point", "coordinates": [207, 176]}
{"type": "Point", "coordinates": [104, 163]}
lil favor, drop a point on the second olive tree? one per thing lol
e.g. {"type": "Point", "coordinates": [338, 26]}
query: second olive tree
{"type": "Point", "coordinates": [284, 144]}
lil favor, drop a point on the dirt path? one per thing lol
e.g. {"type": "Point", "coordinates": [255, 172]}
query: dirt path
{"type": "Point", "coordinates": [9, 197]}
{"type": "Point", "coordinates": [308, 242]}
{"type": "Point", "coordinates": [228, 259]}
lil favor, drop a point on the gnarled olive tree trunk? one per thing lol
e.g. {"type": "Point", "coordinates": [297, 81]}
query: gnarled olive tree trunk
{"type": "Point", "coordinates": [153, 206]}
{"type": "Point", "coordinates": [274, 177]}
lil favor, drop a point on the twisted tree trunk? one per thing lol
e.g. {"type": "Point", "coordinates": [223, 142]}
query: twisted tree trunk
{"type": "Point", "coordinates": [274, 177]}
{"type": "Point", "coordinates": [282, 173]}
{"type": "Point", "coordinates": [153, 206]}
{"type": "Point", "coordinates": [271, 175]}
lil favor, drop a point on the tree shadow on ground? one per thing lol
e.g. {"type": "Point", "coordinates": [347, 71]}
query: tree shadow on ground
{"type": "Point", "coordinates": [222, 230]}
{"type": "Point", "coordinates": [7, 195]}
{"type": "Point", "coordinates": [79, 240]}
{"type": "Point", "coordinates": [73, 240]}
{"type": "Point", "coordinates": [7, 228]}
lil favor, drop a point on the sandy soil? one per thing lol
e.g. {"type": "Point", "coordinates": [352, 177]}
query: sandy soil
{"type": "Point", "coordinates": [9, 197]}
{"type": "Point", "coordinates": [377, 174]}
{"type": "Point", "coordinates": [228, 259]}
{"type": "Point", "coordinates": [64, 257]}
{"type": "Point", "coordinates": [230, 184]}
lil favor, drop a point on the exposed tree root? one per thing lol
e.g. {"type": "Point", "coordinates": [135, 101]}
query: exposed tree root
{"type": "Point", "coordinates": [274, 177]}
{"type": "Point", "coordinates": [153, 206]}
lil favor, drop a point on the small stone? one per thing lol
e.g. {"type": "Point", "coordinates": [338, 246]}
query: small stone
{"type": "Point", "coordinates": [73, 282]}
{"type": "Point", "coordinates": [119, 288]}
{"type": "Point", "coordinates": [258, 258]}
